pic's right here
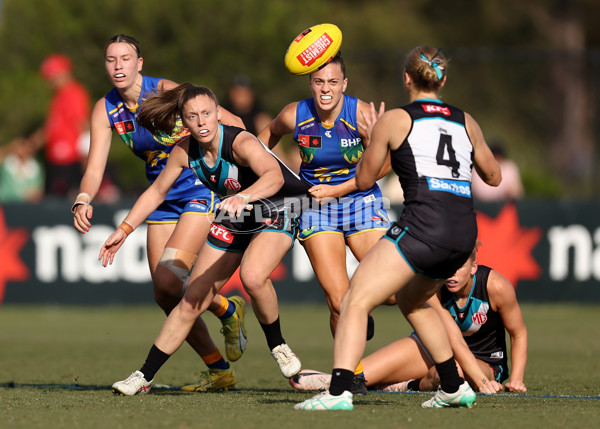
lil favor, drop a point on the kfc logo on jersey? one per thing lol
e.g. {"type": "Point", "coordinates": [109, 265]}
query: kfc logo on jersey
{"type": "Point", "coordinates": [313, 142]}
{"type": "Point", "coordinates": [221, 233]}
{"type": "Point", "coordinates": [432, 108]}
{"type": "Point", "coordinates": [479, 318]}
{"type": "Point", "coordinates": [232, 184]}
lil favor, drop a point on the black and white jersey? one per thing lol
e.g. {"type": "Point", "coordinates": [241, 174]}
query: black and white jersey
{"type": "Point", "coordinates": [481, 326]}
{"type": "Point", "coordinates": [434, 165]}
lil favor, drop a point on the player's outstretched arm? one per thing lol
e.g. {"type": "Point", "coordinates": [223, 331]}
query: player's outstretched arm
{"type": "Point", "coordinates": [463, 355]}
{"type": "Point", "coordinates": [503, 297]}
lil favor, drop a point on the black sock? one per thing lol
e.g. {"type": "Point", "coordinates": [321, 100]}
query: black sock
{"type": "Point", "coordinates": [450, 381]}
{"type": "Point", "coordinates": [414, 385]}
{"type": "Point", "coordinates": [273, 334]}
{"type": "Point", "coordinates": [341, 380]}
{"type": "Point", "coordinates": [156, 358]}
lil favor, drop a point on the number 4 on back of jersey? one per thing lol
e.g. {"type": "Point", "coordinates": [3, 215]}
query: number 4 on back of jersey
{"type": "Point", "coordinates": [445, 147]}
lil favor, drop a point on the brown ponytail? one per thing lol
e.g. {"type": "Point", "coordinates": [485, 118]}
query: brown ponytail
{"type": "Point", "coordinates": [159, 112]}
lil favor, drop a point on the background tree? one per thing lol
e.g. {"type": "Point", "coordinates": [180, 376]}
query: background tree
{"type": "Point", "coordinates": [523, 69]}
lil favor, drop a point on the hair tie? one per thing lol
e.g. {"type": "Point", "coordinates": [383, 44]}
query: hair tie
{"type": "Point", "coordinates": [438, 69]}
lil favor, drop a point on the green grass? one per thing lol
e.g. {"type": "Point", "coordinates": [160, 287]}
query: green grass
{"type": "Point", "coordinates": [44, 350]}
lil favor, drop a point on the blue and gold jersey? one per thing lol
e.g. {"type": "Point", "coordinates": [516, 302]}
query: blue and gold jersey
{"type": "Point", "coordinates": [329, 153]}
{"type": "Point", "coordinates": [153, 150]}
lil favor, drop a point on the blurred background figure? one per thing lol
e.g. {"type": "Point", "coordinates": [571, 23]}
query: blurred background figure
{"type": "Point", "coordinates": [243, 102]}
{"type": "Point", "coordinates": [21, 174]}
{"type": "Point", "coordinates": [511, 187]}
{"type": "Point", "coordinates": [65, 135]}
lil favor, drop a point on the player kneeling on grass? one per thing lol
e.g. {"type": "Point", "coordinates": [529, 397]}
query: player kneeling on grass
{"type": "Point", "coordinates": [479, 307]}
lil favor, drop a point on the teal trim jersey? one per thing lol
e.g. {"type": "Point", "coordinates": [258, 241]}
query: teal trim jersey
{"type": "Point", "coordinates": [481, 326]}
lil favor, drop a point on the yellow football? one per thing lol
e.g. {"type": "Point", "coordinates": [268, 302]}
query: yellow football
{"type": "Point", "coordinates": [313, 48]}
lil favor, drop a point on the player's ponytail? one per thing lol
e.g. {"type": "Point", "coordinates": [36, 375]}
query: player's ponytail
{"type": "Point", "coordinates": [427, 67]}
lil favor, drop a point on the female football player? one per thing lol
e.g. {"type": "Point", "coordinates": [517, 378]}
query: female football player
{"type": "Point", "coordinates": [256, 213]}
{"type": "Point", "coordinates": [432, 146]}
{"type": "Point", "coordinates": [171, 250]}
{"type": "Point", "coordinates": [478, 307]}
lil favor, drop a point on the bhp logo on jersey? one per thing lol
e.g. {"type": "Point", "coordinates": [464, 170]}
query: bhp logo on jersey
{"type": "Point", "coordinates": [350, 142]}
{"type": "Point", "coordinates": [221, 233]}
{"type": "Point", "coordinates": [479, 318]}
{"type": "Point", "coordinates": [433, 108]}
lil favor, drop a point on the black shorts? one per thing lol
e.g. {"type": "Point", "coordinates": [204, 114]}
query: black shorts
{"type": "Point", "coordinates": [234, 235]}
{"type": "Point", "coordinates": [424, 258]}
{"type": "Point", "coordinates": [500, 372]}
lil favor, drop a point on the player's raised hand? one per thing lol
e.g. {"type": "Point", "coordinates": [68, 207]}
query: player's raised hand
{"type": "Point", "coordinates": [369, 118]}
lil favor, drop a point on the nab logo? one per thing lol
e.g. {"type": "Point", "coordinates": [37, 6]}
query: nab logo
{"type": "Point", "coordinates": [479, 318]}
{"type": "Point", "coordinates": [221, 233]}
{"type": "Point", "coordinates": [432, 108]}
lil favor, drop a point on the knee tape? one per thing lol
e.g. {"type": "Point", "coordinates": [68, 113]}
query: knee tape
{"type": "Point", "coordinates": [180, 262]}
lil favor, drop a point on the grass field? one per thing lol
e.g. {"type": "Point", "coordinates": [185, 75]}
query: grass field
{"type": "Point", "coordinates": [57, 365]}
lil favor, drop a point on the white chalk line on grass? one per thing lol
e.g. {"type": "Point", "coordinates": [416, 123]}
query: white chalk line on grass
{"type": "Point", "coordinates": [165, 387]}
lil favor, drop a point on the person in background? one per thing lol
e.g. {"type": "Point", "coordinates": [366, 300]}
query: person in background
{"type": "Point", "coordinates": [66, 123]}
{"type": "Point", "coordinates": [511, 188]}
{"type": "Point", "coordinates": [21, 174]}
{"type": "Point", "coordinates": [171, 249]}
{"type": "Point", "coordinates": [242, 101]}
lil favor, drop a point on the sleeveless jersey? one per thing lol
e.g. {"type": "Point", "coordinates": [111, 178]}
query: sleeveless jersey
{"type": "Point", "coordinates": [226, 177]}
{"type": "Point", "coordinates": [482, 327]}
{"type": "Point", "coordinates": [329, 153]}
{"type": "Point", "coordinates": [153, 150]}
{"type": "Point", "coordinates": [434, 167]}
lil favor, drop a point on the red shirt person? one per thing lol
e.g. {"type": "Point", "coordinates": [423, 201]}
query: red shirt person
{"type": "Point", "coordinates": [66, 124]}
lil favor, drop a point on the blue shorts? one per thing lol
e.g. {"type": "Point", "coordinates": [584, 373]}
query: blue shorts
{"type": "Point", "coordinates": [171, 210]}
{"type": "Point", "coordinates": [425, 258]}
{"type": "Point", "coordinates": [346, 215]}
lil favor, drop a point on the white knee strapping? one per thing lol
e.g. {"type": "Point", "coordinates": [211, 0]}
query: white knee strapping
{"type": "Point", "coordinates": [180, 262]}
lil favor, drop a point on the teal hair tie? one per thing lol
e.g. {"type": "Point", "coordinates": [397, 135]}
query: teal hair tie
{"type": "Point", "coordinates": [435, 65]}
